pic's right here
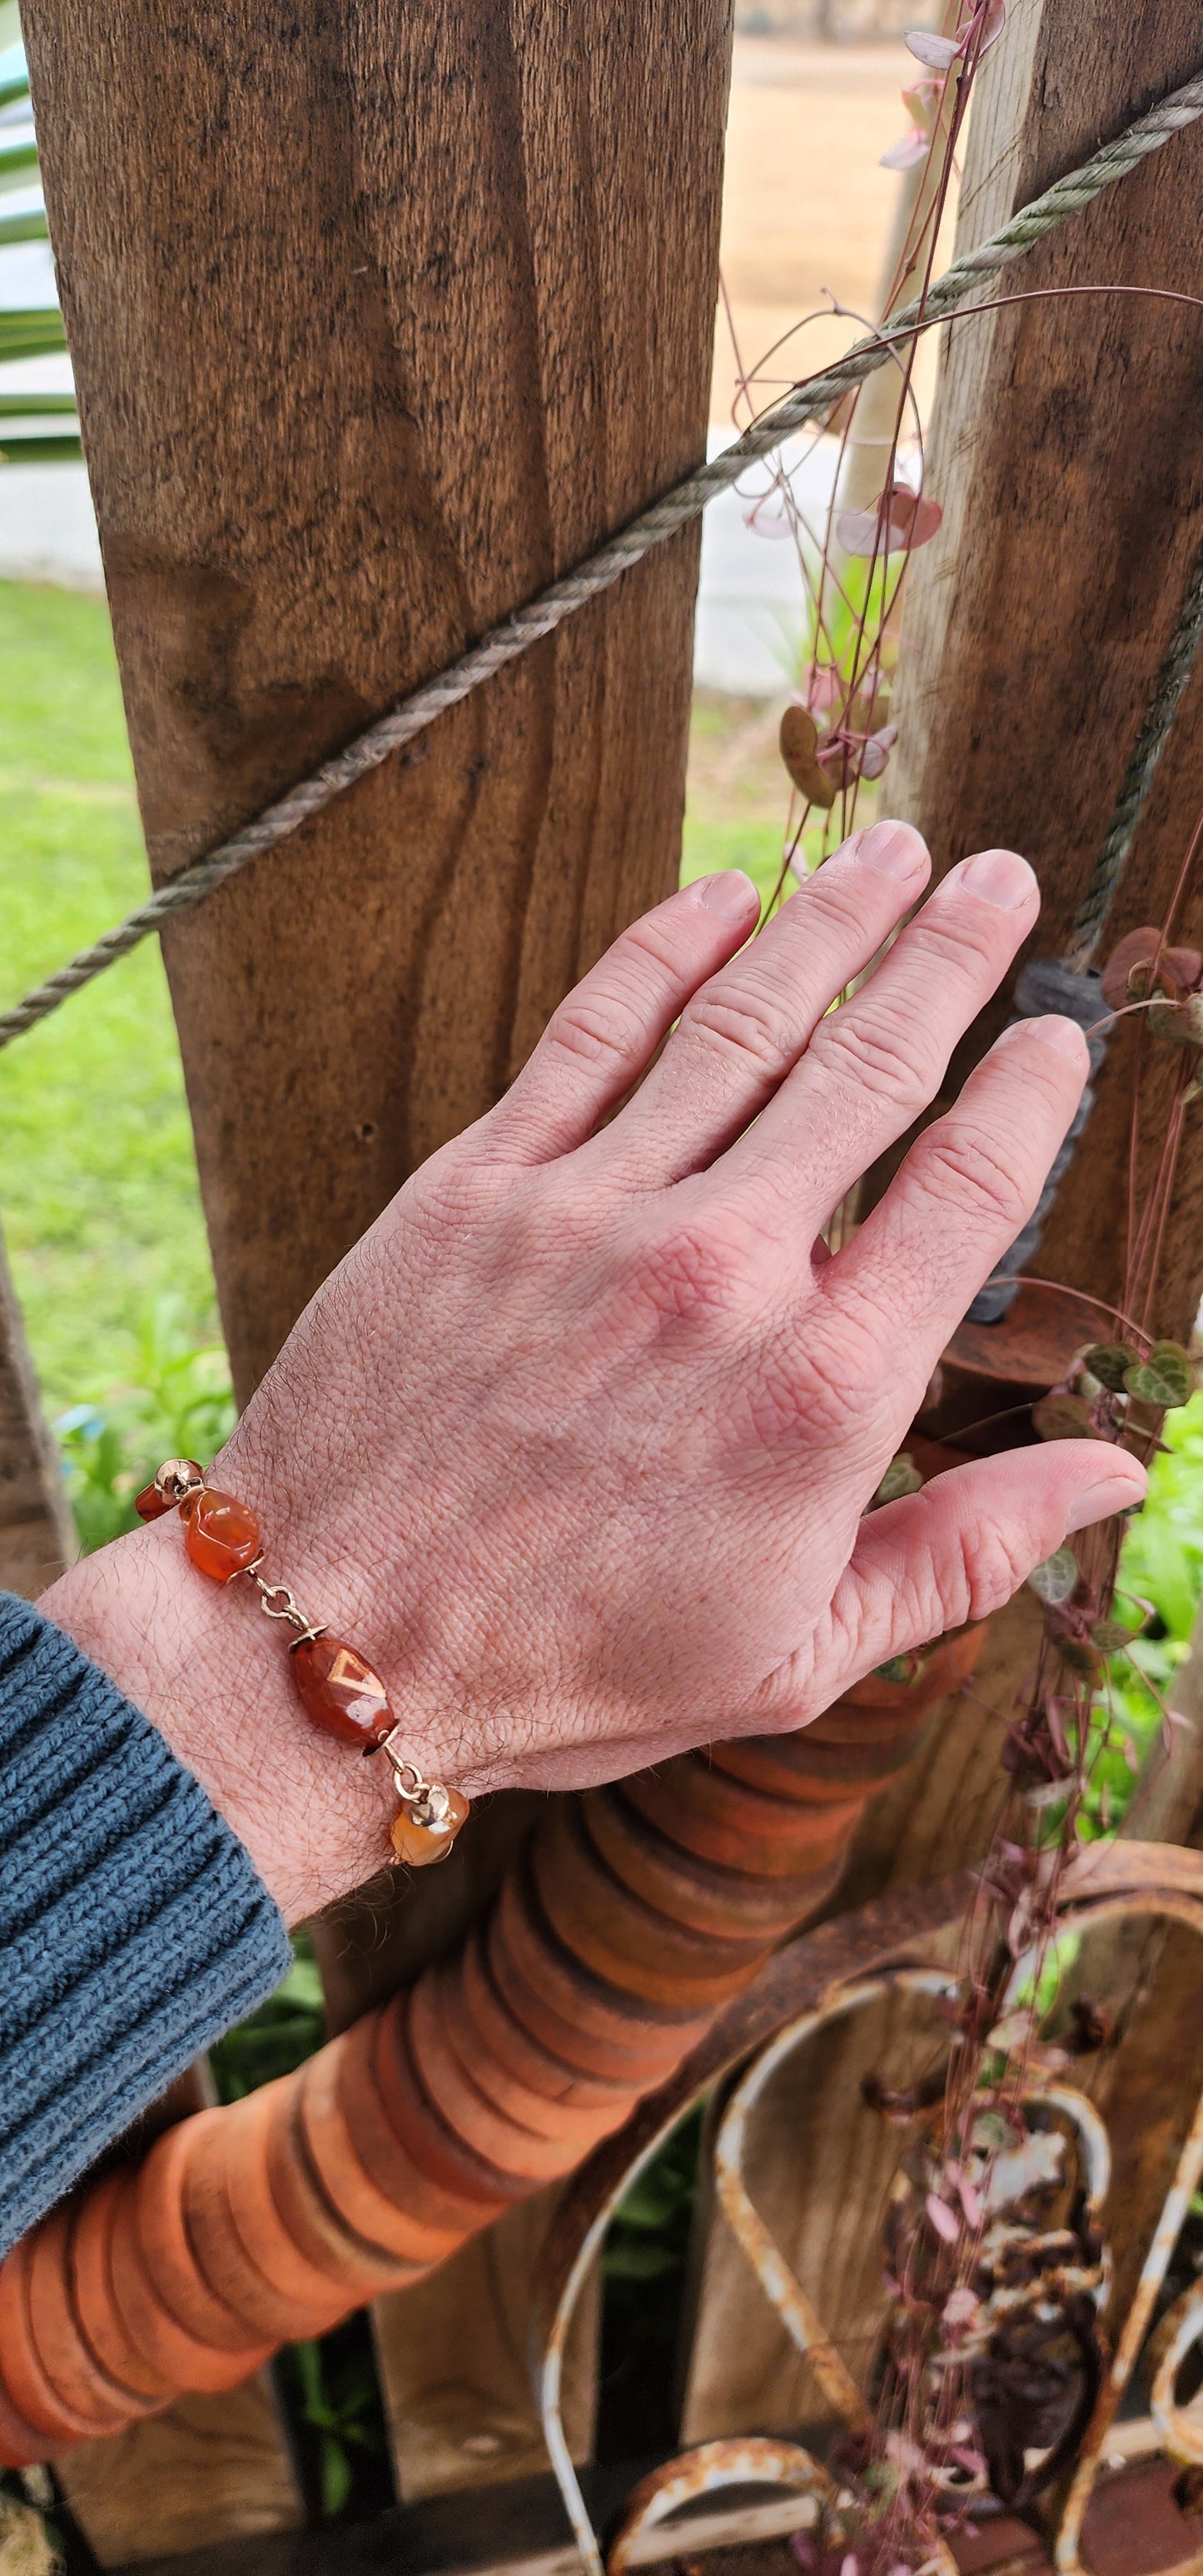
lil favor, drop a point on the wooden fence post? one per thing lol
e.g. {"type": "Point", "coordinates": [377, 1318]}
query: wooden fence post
{"type": "Point", "coordinates": [381, 317]}
{"type": "Point", "coordinates": [36, 1536]}
{"type": "Point", "coordinates": [1067, 454]}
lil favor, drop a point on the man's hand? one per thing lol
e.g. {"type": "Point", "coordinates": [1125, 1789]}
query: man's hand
{"type": "Point", "coordinates": [575, 1444]}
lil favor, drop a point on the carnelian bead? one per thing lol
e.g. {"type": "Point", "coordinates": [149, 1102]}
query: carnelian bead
{"type": "Point", "coordinates": [420, 1844]}
{"type": "Point", "coordinates": [340, 1691]}
{"type": "Point", "coordinates": [221, 1534]}
{"type": "Point", "coordinates": [149, 1504]}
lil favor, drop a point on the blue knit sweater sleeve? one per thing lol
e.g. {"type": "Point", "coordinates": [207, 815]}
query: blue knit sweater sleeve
{"type": "Point", "coordinates": [133, 1925]}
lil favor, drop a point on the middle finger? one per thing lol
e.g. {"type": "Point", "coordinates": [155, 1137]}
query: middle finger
{"type": "Point", "coordinates": [875, 1064]}
{"type": "Point", "coordinates": [746, 1027]}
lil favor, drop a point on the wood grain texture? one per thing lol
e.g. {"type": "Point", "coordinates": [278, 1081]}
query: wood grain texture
{"type": "Point", "coordinates": [941, 1813]}
{"type": "Point", "coordinates": [380, 318]}
{"type": "Point", "coordinates": [454, 2356]}
{"type": "Point", "coordinates": [37, 1538]}
{"type": "Point", "coordinates": [211, 2469]}
{"type": "Point", "coordinates": [1068, 457]}
{"type": "Point", "coordinates": [818, 2165]}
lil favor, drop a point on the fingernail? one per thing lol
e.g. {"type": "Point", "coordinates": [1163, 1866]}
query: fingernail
{"type": "Point", "coordinates": [1063, 1036]}
{"type": "Point", "coordinates": [730, 895]}
{"type": "Point", "coordinates": [891, 850]}
{"type": "Point", "coordinates": [1000, 877]}
{"type": "Point", "coordinates": [1098, 1502]}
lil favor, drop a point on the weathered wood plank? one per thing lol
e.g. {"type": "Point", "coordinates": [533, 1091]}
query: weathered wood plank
{"type": "Point", "coordinates": [1067, 454]}
{"type": "Point", "coordinates": [454, 2357]}
{"type": "Point", "coordinates": [212, 2469]}
{"type": "Point", "coordinates": [36, 1535]}
{"type": "Point", "coordinates": [379, 319]}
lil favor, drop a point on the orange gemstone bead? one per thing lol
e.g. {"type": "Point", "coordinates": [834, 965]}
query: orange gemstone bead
{"type": "Point", "coordinates": [149, 1504]}
{"type": "Point", "coordinates": [340, 1691]}
{"type": "Point", "coordinates": [420, 1844]}
{"type": "Point", "coordinates": [221, 1534]}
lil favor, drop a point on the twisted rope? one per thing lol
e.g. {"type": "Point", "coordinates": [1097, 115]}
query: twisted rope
{"type": "Point", "coordinates": [505, 643]}
{"type": "Point", "coordinates": [1071, 984]}
{"type": "Point", "coordinates": [1147, 749]}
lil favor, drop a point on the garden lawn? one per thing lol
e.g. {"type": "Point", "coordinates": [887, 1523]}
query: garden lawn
{"type": "Point", "coordinates": [98, 1189]}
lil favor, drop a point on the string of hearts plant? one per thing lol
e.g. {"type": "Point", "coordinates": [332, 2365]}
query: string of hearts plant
{"type": "Point", "coordinates": [992, 2351]}
{"type": "Point", "coordinates": [993, 2354]}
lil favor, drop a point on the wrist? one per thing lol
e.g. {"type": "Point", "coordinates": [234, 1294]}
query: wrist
{"type": "Point", "coordinates": [213, 1676]}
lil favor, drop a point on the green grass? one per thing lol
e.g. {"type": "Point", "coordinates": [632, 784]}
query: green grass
{"type": "Point", "coordinates": [98, 1189]}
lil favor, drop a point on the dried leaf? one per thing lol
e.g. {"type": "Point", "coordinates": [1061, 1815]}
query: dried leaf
{"type": "Point", "coordinates": [938, 52]}
{"type": "Point", "coordinates": [907, 152]}
{"type": "Point", "coordinates": [1110, 1363]}
{"type": "Point", "coordinates": [1178, 1023]}
{"type": "Point", "coordinates": [1056, 1580]}
{"type": "Point", "coordinates": [1166, 1378]}
{"type": "Point", "coordinates": [1064, 1417]}
{"type": "Point", "coordinates": [799, 741]}
{"type": "Point", "coordinates": [901, 1477]}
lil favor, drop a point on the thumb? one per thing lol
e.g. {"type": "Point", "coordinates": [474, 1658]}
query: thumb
{"type": "Point", "coordinates": [960, 1549]}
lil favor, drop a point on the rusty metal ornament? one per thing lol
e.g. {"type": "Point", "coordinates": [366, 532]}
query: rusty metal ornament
{"type": "Point", "coordinates": [1105, 1885]}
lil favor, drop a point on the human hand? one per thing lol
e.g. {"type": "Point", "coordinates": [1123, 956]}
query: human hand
{"type": "Point", "coordinates": [576, 1442]}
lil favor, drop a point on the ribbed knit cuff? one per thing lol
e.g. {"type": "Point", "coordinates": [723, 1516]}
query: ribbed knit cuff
{"type": "Point", "coordinates": [134, 1927]}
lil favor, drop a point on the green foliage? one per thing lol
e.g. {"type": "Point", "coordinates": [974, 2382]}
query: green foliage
{"type": "Point", "coordinates": [648, 2236]}
{"type": "Point", "coordinates": [333, 2399]}
{"type": "Point", "coordinates": [279, 2036]}
{"type": "Point", "coordinates": [181, 1407]}
{"type": "Point", "coordinates": [97, 1171]}
{"type": "Point", "coordinates": [1160, 1581]}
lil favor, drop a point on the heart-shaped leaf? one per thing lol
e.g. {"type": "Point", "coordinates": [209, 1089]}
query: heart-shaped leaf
{"type": "Point", "coordinates": [901, 1477]}
{"type": "Point", "coordinates": [1126, 973]}
{"type": "Point", "coordinates": [1110, 1363]}
{"type": "Point", "coordinates": [1166, 1378]}
{"type": "Point", "coordinates": [938, 52]}
{"type": "Point", "coordinates": [907, 152]}
{"type": "Point", "coordinates": [1056, 1580]}
{"type": "Point", "coordinates": [899, 521]}
{"type": "Point", "coordinates": [1110, 1636]}
{"type": "Point", "coordinates": [877, 751]}
{"type": "Point", "coordinates": [799, 742]}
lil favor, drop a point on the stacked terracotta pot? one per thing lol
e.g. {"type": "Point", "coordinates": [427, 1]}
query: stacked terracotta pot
{"type": "Point", "coordinates": [638, 1911]}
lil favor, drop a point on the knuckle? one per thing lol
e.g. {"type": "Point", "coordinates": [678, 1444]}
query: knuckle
{"type": "Point", "coordinates": [694, 1274]}
{"type": "Point", "coordinates": [972, 1170]}
{"type": "Point", "coordinates": [878, 1055]}
{"type": "Point", "coordinates": [592, 1029]}
{"type": "Point", "coordinates": [743, 1018]}
{"type": "Point", "coordinates": [820, 1387]}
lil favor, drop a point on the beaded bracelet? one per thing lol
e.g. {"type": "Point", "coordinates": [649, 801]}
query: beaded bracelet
{"type": "Point", "coordinates": [336, 1685]}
